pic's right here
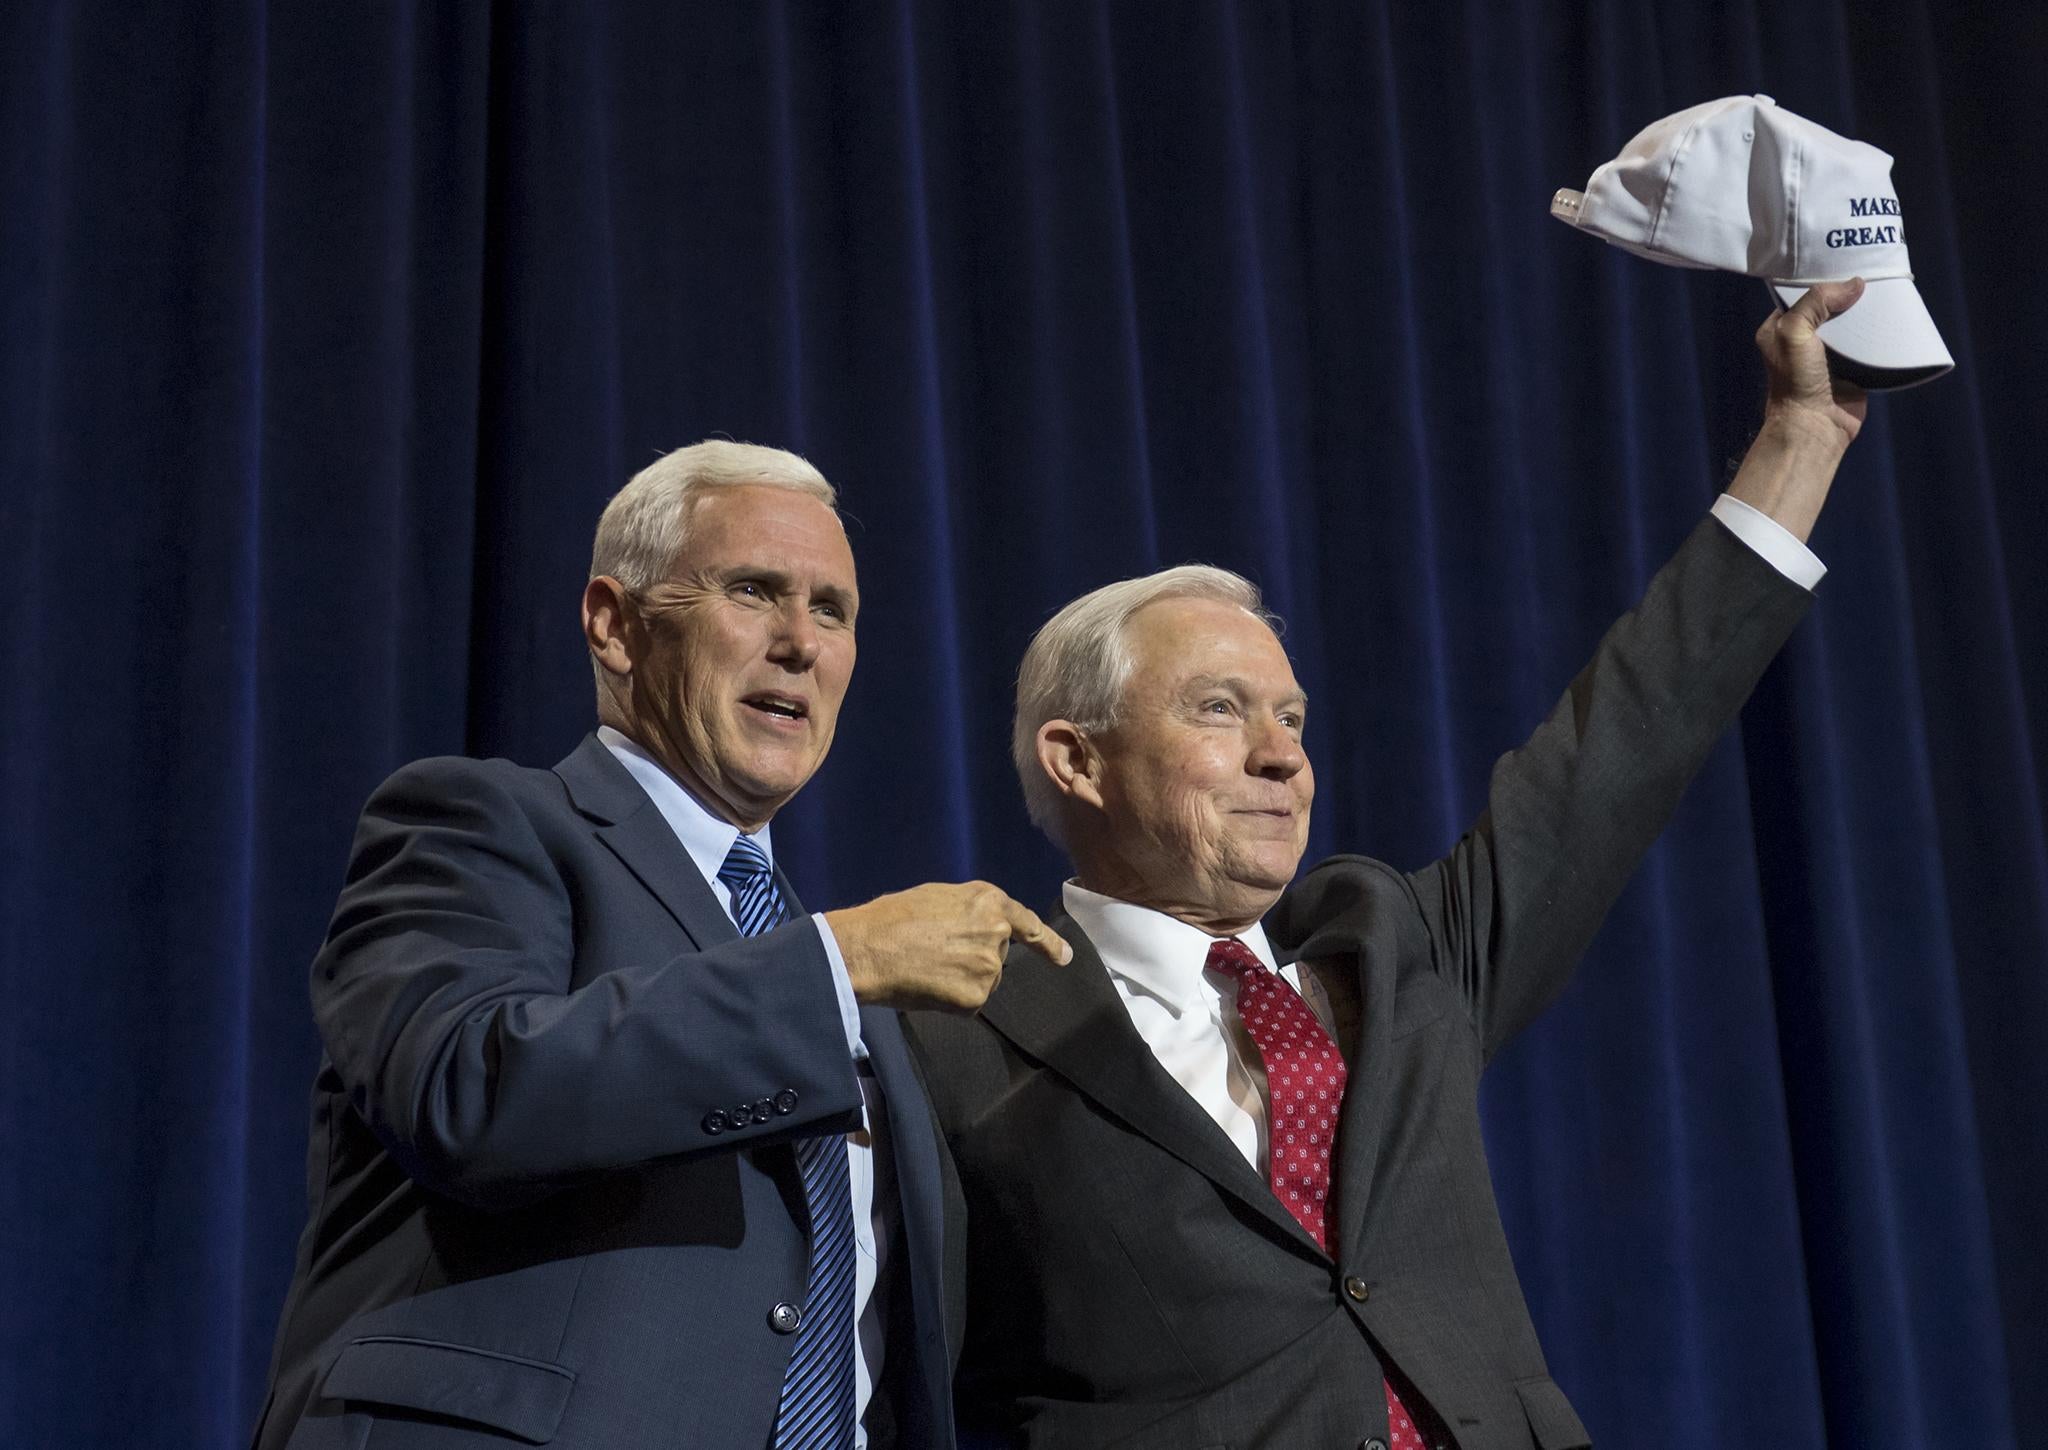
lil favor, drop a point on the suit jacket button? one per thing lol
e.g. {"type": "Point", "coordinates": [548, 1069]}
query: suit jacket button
{"type": "Point", "coordinates": [715, 1123]}
{"type": "Point", "coordinates": [785, 1101]}
{"type": "Point", "coordinates": [1375, 1443]}
{"type": "Point", "coordinates": [1356, 1288]}
{"type": "Point", "coordinates": [761, 1110]}
{"type": "Point", "coordinates": [785, 1318]}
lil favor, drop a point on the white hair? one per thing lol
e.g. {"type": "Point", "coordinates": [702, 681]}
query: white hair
{"type": "Point", "coordinates": [1077, 666]}
{"type": "Point", "coordinates": [641, 533]}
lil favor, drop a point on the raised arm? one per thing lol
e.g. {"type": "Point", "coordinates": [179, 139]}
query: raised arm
{"type": "Point", "coordinates": [1571, 812]}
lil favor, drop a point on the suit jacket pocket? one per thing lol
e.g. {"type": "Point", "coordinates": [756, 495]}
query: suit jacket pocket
{"type": "Point", "coordinates": [523, 1398]}
{"type": "Point", "coordinates": [1552, 1420]}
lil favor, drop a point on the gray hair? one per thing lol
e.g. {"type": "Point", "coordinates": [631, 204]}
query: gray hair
{"type": "Point", "coordinates": [1077, 666]}
{"type": "Point", "coordinates": [641, 533]}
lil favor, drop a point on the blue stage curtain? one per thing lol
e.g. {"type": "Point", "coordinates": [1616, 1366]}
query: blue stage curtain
{"type": "Point", "coordinates": [326, 330]}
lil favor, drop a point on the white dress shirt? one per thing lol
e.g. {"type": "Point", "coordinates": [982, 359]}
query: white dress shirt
{"type": "Point", "coordinates": [1188, 1015]}
{"type": "Point", "coordinates": [708, 840]}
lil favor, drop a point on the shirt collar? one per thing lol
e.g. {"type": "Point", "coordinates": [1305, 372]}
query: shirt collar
{"type": "Point", "coordinates": [707, 837]}
{"type": "Point", "coordinates": [1152, 952]}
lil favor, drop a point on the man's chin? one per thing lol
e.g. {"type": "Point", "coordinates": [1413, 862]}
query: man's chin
{"type": "Point", "coordinates": [1253, 893]}
{"type": "Point", "coordinates": [769, 784]}
{"type": "Point", "coordinates": [1271, 869]}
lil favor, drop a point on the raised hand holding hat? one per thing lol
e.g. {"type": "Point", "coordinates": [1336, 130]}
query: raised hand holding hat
{"type": "Point", "coordinates": [1742, 185]}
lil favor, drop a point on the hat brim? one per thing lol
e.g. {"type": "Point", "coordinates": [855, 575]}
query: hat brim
{"type": "Point", "coordinates": [1887, 339]}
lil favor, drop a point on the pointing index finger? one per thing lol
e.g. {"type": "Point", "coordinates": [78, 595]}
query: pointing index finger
{"type": "Point", "coordinates": [1025, 927]}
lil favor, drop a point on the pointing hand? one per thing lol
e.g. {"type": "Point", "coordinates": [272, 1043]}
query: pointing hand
{"type": "Point", "coordinates": [937, 945]}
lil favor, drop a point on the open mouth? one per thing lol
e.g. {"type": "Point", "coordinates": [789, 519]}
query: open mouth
{"type": "Point", "coordinates": [778, 707]}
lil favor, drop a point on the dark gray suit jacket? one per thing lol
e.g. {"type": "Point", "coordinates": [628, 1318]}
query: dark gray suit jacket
{"type": "Point", "coordinates": [553, 1197]}
{"type": "Point", "coordinates": [1133, 1282]}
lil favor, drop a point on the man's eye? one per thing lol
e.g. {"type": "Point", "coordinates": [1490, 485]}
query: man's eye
{"type": "Point", "coordinates": [749, 589]}
{"type": "Point", "coordinates": [1217, 707]}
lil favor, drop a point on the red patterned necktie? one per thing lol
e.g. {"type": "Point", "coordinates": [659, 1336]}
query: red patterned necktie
{"type": "Point", "coordinates": [1305, 1076]}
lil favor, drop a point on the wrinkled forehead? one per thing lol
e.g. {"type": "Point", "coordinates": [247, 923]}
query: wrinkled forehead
{"type": "Point", "coordinates": [1174, 643]}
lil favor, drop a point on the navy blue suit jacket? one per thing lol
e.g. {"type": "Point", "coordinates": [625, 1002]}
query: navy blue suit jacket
{"type": "Point", "coordinates": [524, 1219]}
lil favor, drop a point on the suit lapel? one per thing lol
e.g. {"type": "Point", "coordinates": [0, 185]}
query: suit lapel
{"type": "Point", "coordinates": [914, 1150]}
{"type": "Point", "coordinates": [1359, 986]}
{"type": "Point", "coordinates": [1070, 1019]}
{"type": "Point", "coordinates": [632, 827]}
{"type": "Point", "coordinates": [913, 1137]}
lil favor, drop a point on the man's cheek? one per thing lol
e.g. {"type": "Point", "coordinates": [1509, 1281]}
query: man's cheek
{"type": "Point", "coordinates": [1198, 824]}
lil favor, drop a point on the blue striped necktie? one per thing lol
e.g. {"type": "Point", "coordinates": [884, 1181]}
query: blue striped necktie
{"type": "Point", "coordinates": [816, 1408]}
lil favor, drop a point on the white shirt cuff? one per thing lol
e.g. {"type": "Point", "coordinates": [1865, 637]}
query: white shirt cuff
{"type": "Point", "coordinates": [1771, 539]}
{"type": "Point", "coordinates": [849, 1006]}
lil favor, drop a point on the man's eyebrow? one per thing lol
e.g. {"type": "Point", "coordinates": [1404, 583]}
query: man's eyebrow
{"type": "Point", "coordinates": [846, 599]}
{"type": "Point", "coordinates": [1236, 686]}
{"type": "Point", "coordinates": [733, 573]}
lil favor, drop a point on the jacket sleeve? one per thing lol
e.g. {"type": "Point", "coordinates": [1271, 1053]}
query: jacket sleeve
{"type": "Point", "coordinates": [1571, 812]}
{"type": "Point", "coordinates": [444, 995]}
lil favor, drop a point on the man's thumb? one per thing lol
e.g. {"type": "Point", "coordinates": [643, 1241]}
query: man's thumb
{"type": "Point", "coordinates": [1825, 300]}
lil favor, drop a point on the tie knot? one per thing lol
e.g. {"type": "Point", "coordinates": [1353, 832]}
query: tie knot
{"type": "Point", "coordinates": [745, 864]}
{"type": "Point", "coordinates": [1234, 959]}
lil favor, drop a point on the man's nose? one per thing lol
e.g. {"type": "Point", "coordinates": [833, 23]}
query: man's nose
{"type": "Point", "coordinates": [1275, 753]}
{"type": "Point", "coordinates": [796, 641]}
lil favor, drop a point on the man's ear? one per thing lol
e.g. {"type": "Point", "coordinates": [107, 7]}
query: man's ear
{"type": "Point", "coordinates": [607, 623]}
{"type": "Point", "coordinates": [1070, 759]}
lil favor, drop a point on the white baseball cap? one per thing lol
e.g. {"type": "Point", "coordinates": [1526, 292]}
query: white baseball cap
{"type": "Point", "coordinates": [1739, 185]}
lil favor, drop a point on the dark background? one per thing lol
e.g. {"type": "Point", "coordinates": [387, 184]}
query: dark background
{"type": "Point", "coordinates": [326, 330]}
